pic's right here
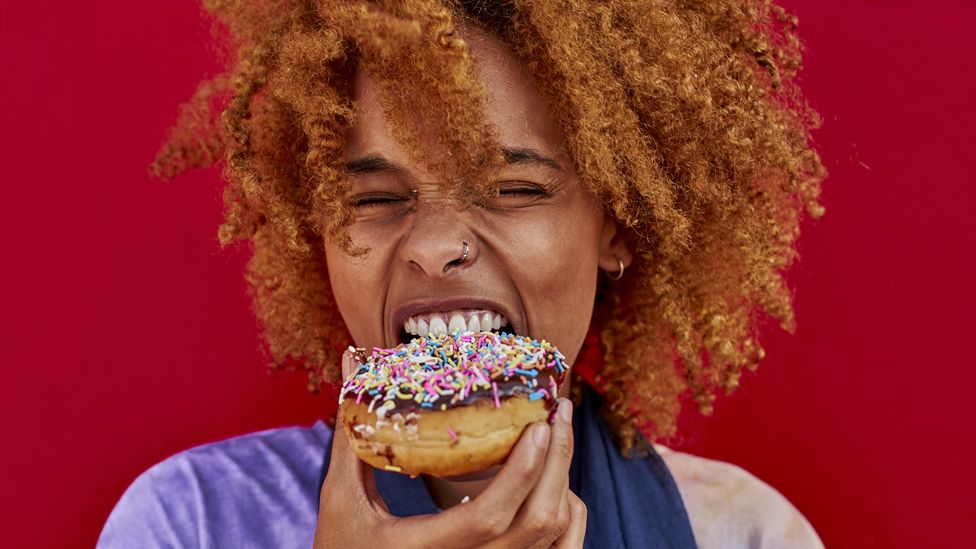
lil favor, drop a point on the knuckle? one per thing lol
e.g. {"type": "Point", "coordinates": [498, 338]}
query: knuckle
{"type": "Point", "coordinates": [491, 525]}
{"type": "Point", "coordinates": [536, 523]}
{"type": "Point", "coordinates": [541, 523]}
{"type": "Point", "coordinates": [556, 529]}
{"type": "Point", "coordinates": [563, 449]}
{"type": "Point", "coordinates": [578, 504]}
{"type": "Point", "coordinates": [524, 473]}
{"type": "Point", "coordinates": [564, 518]}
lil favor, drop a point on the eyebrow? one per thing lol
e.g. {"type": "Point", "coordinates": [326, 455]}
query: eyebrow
{"type": "Point", "coordinates": [375, 163]}
{"type": "Point", "coordinates": [528, 155]}
{"type": "Point", "coordinates": [372, 163]}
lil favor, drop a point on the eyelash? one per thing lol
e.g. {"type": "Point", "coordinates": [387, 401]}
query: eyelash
{"type": "Point", "coordinates": [521, 187]}
{"type": "Point", "coordinates": [375, 200]}
{"type": "Point", "coordinates": [512, 189]}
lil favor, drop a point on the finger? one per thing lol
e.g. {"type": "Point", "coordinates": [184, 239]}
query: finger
{"type": "Point", "coordinates": [559, 456]}
{"type": "Point", "coordinates": [489, 515]}
{"type": "Point", "coordinates": [349, 502]}
{"type": "Point", "coordinates": [565, 513]}
{"type": "Point", "coordinates": [540, 518]}
{"type": "Point", "coordinates": [516, 479]}
{"type": "Point", "coordinates": [351, 360]}
{"type": "Point", "coordinates": [348, 478]}
{"type": "Point", "coordinates": [562, 520]}
{"type": "Point", "coordinates": [573, 537]}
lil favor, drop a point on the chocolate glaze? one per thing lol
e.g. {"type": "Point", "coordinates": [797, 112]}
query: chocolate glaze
{"type": "Point", "coordinates": [506, 389]}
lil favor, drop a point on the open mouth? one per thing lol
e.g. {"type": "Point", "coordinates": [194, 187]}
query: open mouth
{"type": "Point", "coordinates": [448, 322]}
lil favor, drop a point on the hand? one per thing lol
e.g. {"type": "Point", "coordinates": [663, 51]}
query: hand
{"type": "Point", "coordinates": [527, 504]}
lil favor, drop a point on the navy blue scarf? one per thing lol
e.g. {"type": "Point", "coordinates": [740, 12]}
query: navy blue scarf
{"type": "Point", "coordinates": [630, 502]}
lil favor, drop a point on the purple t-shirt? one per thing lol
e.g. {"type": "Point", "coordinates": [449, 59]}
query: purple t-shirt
{"type": "Point", "coordinates": [257, 490]}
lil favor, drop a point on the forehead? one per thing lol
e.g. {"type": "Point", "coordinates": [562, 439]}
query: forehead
{"type": "Point", "coordinates": [515, 107]}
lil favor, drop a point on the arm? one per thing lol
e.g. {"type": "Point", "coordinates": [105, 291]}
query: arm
{"type": "Point", "coordinates": [730, 507]}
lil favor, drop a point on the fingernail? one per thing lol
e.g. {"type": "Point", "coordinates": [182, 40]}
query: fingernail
{"type": "Point", "coordinates": [566, 410]}
{"type": "Point", "coordinates": [540, 435]}
{"type": "Point", "coordinates": [346, 366]}
{"type": "Point", "coordinates": [349, 362]}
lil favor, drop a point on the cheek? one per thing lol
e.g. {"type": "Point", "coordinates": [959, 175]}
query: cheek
{"type": "Point", "coordinates": [564, 264]}
{"type": "Point", "coordinates": [557, 265]}
{"type": "Point", "coordinates": [358, 289]}
{"type": "Point", "coordinates": [565, 301]}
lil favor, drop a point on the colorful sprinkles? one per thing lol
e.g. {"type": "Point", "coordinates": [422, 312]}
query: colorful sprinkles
{"type": "Point", "coordinates": [439, 371]}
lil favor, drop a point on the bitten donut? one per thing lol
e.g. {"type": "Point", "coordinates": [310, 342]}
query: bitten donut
{"type": "Point", "coordinates": [449, 405]}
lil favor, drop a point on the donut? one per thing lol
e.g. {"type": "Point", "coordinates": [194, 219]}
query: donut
{"type": "Point", "coordinates": [451, 404]}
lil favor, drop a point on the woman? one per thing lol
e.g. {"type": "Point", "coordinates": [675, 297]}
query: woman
{"type": "Point", "coordinates": [632, 171]}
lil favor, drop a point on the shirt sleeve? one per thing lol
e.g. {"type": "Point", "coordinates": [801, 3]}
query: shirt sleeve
{"type": "Point", "coordinates": [158, 510]}
{"type": "Point", "coordinates": [730, 508]}
{"type": "Point", "coordinates": [257, 490]}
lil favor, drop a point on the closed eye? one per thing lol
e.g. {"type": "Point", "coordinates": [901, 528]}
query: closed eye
{"type": "Point", "coordinates": [518, 194]}
{"type": "Point", "coordinates": [520, 188]}
{"type": "Point", "coordinates": [375, 200]}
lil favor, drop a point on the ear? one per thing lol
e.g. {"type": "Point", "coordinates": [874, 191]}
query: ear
{"type": "Point", "coordinates": [615, 246]}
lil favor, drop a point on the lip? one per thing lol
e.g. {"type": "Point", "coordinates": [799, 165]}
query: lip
{"type": "Point", "coordinates": [405, 311]}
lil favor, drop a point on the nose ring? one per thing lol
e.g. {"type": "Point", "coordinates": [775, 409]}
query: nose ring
{"type": "Point", "coordinates": [456, 263]}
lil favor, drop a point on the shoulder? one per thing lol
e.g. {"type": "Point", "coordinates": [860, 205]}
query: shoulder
{"type": "Point", "coordinates": [729, 507]}
{"type": "Point", "coordinates": [211, 495]}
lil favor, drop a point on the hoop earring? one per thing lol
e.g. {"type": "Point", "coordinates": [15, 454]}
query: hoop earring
{"type": "Point", "coordinates": [620, 273]}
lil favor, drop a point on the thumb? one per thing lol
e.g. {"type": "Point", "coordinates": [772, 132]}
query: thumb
{"type": "Point", "coordinates": [348, 478]}
{"type": "Point", "coordinates": [346, 503]}
{"type": "Point", "coordinates": [352, 476]}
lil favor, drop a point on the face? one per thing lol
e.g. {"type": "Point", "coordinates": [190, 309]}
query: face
{"type": "Point", "coordinates": [532, 255]}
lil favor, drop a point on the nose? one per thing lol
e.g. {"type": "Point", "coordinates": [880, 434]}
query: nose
{"type": "Point", "coordinates": [439, 242]}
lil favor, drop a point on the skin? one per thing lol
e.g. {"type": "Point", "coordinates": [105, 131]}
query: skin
{"type": "Point", "coordinates": [534, 255]}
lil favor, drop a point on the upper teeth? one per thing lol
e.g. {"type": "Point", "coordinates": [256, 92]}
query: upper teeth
{"type": "Point", "coordinates": [438, 324]}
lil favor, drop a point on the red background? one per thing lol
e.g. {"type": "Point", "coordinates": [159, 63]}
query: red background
{"type": "Point", "coordinates": [129, 337]}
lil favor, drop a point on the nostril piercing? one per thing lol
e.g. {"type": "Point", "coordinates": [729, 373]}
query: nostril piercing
{"type": "Point", "coordinates": [459, 261]}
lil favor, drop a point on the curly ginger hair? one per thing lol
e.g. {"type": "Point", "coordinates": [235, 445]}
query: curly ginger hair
{"type": "Point", "coordinates": [683, 118]}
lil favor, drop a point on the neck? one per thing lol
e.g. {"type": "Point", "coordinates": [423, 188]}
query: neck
{"type": "Point", "coordinates": [448, 492]}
